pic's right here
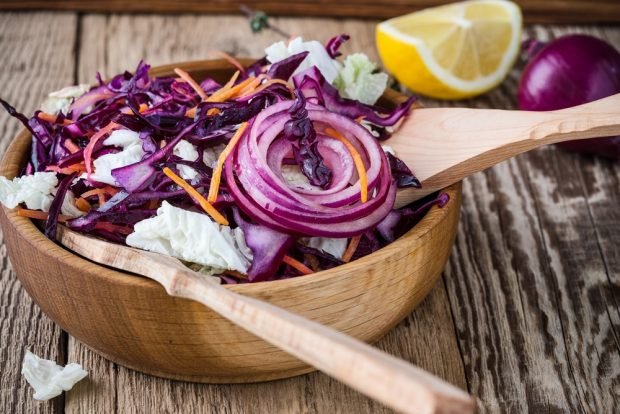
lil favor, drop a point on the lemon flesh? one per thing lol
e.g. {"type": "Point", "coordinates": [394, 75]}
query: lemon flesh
{"type": "Point", "coordinates": [454, 51]}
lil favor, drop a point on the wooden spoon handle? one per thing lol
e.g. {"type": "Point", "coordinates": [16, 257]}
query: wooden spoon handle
{"type": "Point", "coordinates": [380, 376]}
{"type": "Point", "coordinates": [445, 145]}
{"type": "Point", "coordinates": [596, 119]}
{"type": "Point", "coordinates": [385, 378]}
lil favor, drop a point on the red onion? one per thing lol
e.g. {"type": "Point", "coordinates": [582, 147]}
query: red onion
{"type": "Point", "coordinates": [255, 181]}
{"type": "Point", "coordinates": [569, 71]}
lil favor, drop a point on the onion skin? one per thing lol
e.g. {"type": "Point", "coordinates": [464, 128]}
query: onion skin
{"type": "Point", "coordinates": [569, 71]}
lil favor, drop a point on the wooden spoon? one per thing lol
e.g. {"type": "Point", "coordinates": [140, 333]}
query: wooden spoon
{"type": "Point", "coordinates": [445, 145]}
{"type": "Point", "coordinates": [383, 377]}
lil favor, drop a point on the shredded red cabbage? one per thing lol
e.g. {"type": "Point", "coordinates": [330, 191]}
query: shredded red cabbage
{"type": "Point", "coordinates": [288, 125]}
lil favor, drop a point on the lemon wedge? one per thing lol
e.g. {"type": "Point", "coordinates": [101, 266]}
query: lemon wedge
{"type": "Point", "coordinates": [454, 51]}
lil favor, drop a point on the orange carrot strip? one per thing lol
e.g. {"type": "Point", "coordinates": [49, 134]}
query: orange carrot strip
{"type": "Point", "coordinates": [152, 204]}
{"type": "Point", "coordinates": [230, 59]}
{"type": "Point", "coordinates": [190, 113]}
{"type": "Point", "coordinates": [351, 248]}
{"type": "Point", "coordinates": [52, 118]}
{"type": "Point", "coordinates": [82, 205]}
{"type": "Point", "coordinates": [187, 78]}
{"type": "Point", "coordinates": [222, 95]}
{"type": "Point", "coordinates": [206, 206]}
{"type": "Point", "coordinates": [39, 215]}
{"type": "Point", "coordinates": [215, 96]}
{"type": "Point", "coordinates": [70, 145]}
{"type": "Point", "coordinates": [271, 82]}
{"type": "Point", "coordinates": [357, 159]}
{"type": "Point", "coordinates": [232, 92]}
{"type": "Point", "coordinates": [103, 190]}
{"type": "Point", "coordinates": [253, 85]}
{"type": "Point", "coordinates": [297, 265]}
{"type": "Point", "coordinates": [217, 173]}
{"type": "Point", "coordinates": [79, 167]}
{"type": "Point", "coordinates": [88, 151]}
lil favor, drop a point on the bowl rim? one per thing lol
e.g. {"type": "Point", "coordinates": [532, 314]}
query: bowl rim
{"type": "Point", "coordinates": [25, 228]}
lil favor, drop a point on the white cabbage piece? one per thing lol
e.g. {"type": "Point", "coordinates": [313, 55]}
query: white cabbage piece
{"type": "Point", "coordinates": [357, 80]}
{"type": "Point", "coordinates": [187, 152]}
{"type": "Point", "coordinates": [192, 237]}
{"type": "Point", "coordinates": [317, 56]}
{"type": "Point", "coordinates": [61, 100]}
{"type": "Point", "coordinates": [36, 190]}
{"type": "Point", "coordinates": [211, 154]}
{"type": "Point", "coordinates": [333, 246]}
{"type": "Point", "coordinates": [68, 207]}
{"type": "Point", "coordinates": [49, 379]}
{"type": "Point", "coordinates": [132, 153]}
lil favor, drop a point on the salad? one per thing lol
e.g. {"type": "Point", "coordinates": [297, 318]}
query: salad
{"type": "Point", "coordinates": [277, 173]}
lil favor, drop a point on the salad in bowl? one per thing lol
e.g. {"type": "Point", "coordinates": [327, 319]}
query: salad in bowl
{"type": "Point", "coordinates": [279, 172]}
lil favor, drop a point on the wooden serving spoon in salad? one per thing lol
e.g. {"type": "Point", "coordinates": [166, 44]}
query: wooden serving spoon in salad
{"type": "Point", "coordinates": [380, 376]}
{"type": "Point", "coordinates": [445, 145]}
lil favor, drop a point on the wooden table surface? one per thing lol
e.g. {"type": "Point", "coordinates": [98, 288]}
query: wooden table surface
{"type": "Point", "coordinates": [526, 315]}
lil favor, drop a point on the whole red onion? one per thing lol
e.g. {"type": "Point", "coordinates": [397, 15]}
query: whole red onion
{"type": "Point", "coordinates": [569, 71]}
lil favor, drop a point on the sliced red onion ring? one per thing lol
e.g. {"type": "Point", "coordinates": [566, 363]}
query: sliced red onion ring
{"type": "Point", "coordinates": [254, 177]}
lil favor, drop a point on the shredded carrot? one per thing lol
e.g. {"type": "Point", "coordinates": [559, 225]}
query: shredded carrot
{"type": "Point", "coordinates": [230, 59]}
{"type": "Point", "coordinates": [271, 82]}
{"type": "Point", "coordinates": [152, 204]}
{"type": "Point", "coordinates": [357, 159]}
{"type": "Point", "coordinates": [190, 113]}
{"type": "Point", "coordinates": [128, 111]}
{"type": "Point", "coordinates": [359, 119]}
{"type": "Point", "coordinates": [79, 167]}
{"type": "Point", "coordinates": [39, 215]}
{"type": "Point", "coordinates": [82, 205]}
{"type": "Point", "coordinates": [70, 145]}
{"type": "Point", "coordinates": [215, 96]}
{"type": "Point", "coordinates": [206, 206]}
{"type": "Point", "coordinates": [103, 190]}
{"type": "Point", "coordinates": [351, 248]}
{"type": "Point", "coordinates": [88, 151]}
{"type": "Point", "coordinates": [100, 193]}
{"type": "Point", "coordinates": [187, 78]}
{"type": "Point", "coordinates": [236, 274]}
{"type": "Point", "coordinates": [217, 173]}
{"type": "Point", "coordinates": [52, 118]}
{"type": "Point", "coordinates": [253, 85]}
{"type": "Point", "coordinates": [235, 90]}
{"type": "Point", "coordinates": [297, 265]}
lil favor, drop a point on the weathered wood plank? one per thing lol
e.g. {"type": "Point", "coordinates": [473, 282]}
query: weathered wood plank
{"type": "Point", "coordinates": [36, 50]}
{"type": "Point", "coordinates": [111, 44]}
{"type": "Point", "coordinates": [535, 11]}
{"type": "Point", "coordinates": [533, 276]}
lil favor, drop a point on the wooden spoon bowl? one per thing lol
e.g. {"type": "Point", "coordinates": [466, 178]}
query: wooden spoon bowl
{"type": "Point", "coordinates": [132, 320]}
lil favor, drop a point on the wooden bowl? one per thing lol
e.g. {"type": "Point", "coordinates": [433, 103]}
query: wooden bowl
{"type": "Point", "coordinates": [133, 322]}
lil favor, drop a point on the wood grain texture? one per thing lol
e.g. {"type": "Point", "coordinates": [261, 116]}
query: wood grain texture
{"type": "Point", "coordinates": [45, 64]}
{"type": "Point", "coordinates": [536, 334]}
{"type": "Point", "coordinates": [446, 145]}
{"type": "Point", "coordinates": [533, 278]}
{"type": "Point", "coordinates": [535, 11]}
